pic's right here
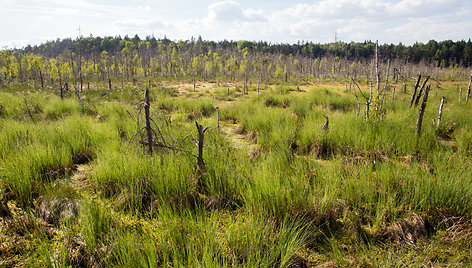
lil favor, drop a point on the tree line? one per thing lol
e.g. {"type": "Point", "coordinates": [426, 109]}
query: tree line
{"type": "Point", "coordinates": [117, 58]}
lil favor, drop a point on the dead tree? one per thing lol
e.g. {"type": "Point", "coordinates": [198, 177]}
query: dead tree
{"type": "Point", "coordinates": [325, 126]}
{"type": "Point", "coordinates": [200, 163]}
{"type": "Point", "coordinates": [154, 136]}
{"type": "Point", "coordinates": [419, 122]}
{"type": "Point", "coordinates": [386, 85]}
{"type": "Point", "coordinates": [60, 85]}
{"type": "Point", "coordinates": [413, 96]}
{"type": "Point", "coordinates": [78, 95]}
{"type": "Point", "coordinates": [258, 78]}
{"type": "Point", "coordinates": [421, 90]}
{"type": "Point", "coordinates": [468, 89]}
{"type": "Point", "coordinates": [368, 100]}
{"type": "Point", "coordinates": [377, 73]}
{"type": "Point", "coordinates": [440, 112]}
{"type": "Point", "coordinates": [218, 118]}
{"type": "Point", "coordinates": [147, 105]}
{"type": "Point", "coordinates": [41, 77]}
{"type": "Point", "coordinates": [29, 112]}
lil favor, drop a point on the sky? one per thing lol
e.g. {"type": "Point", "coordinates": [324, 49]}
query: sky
{"type": "Point", "coordinates": [276, 21]}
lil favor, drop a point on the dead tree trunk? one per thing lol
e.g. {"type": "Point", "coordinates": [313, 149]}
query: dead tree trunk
{"type": "Point", "coordinates": [369, 101]}
{"type": "Point", "coordinates": [78, 95]}
{"type": "Point", "coordinates": [245, 85]}
{"type": "Point", "coordinates": [41, 77]}
{"type": "Point", "coordinates": [358, 103]}
{"type": "Point", "coordinates": [200, 163]}
{"type": "Point", "coordinates": [218, 118]}
{"type": "Point", "coordinates": [200, 142]}
{"type": "Point", "coordinates": [440, 112]}
{"type": "Point", "coordinates": [386, 84]}
{"type": "Point", "coordinates": [460, 94]}
{"type": "Point", "coordinates": [468, 89]}
{"type": "Point", "coordinates": [148, 120]}
{"type": "Point", "coordinates": [258, 78]}
{"type": "Point", "coordinates": [419, 122]}
{"type": "Point", "coordinates": [377, 74]}
{"type": "Point", "coordinates": [413, 96]}
{"type": "Point", "coordinates": [60, 86]}
{"type": "Point", "coordinates": [421, 90]}
{"type": "Point", "coordinates": [29, 112]}
{"type": "Point", "coordinates": [325, 126]}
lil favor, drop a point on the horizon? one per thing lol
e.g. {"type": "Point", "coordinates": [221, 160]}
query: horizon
{"type": "Point", "coordinates": [34, 22]}
{"type": "Point", "coordinates": [209, 40]}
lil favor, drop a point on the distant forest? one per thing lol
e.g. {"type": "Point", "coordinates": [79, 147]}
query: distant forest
{"type": "Point", "coordinates": [442, 54]}
{"type": "Point", "coordinates": [119, 59]}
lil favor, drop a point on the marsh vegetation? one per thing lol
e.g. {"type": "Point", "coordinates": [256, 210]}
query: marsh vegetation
{"type": "Point", "coordinates": [279, 183]}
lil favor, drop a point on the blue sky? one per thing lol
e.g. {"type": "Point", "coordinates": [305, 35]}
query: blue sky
{"type": "Point", "coordinates": [276, 21]}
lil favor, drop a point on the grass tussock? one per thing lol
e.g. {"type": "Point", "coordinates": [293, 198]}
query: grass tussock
{"type": "Point", "coordinates": [276, 189]}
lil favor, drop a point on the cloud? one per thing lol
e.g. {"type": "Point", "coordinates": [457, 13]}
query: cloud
{"type": "Point", "coordinates": [430, 29]}
{"type": "Point", "coordinates": [390, 21]}
{"type": "Point", "coordinates": [358, 20]}
{"type": "Point", "coordinates": [231, 11]}
{"type": "Point", "coordinates": [141, 27]}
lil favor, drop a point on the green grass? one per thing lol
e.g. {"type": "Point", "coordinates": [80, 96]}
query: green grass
{"type": "Point", "coordinates": [289, 194]}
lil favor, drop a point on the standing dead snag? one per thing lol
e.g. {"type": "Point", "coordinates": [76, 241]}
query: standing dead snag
{"type": "Point", "coordinates": [468, 89]}
{"type": "Point", "coordinates": [355, 95]}
{"type": "Point", "coordinates": [413, 96]}
{"type": "Point", "coordinates": [200, 163]}
{"type": "Point", "coordinates": [201, 135]}
{"type": "Point", "coordinates": [421, 112]}
{"type": "Point", "coordinates": [148, 120]}
{"type": "Point", "coordinates": [29, 112]}
{"type": "Point", "coordinates": [218, 118]}
{"type": "Point", "coordinates": [325, 126]}
{"type": "Point", "coordinates": [369, 102]}
{"type": "Point", "coordinates": [421, 90]}
{"type": "Point", "coordinates": [78, 95]}
{"type": "Point", "coordinates": [440, 112]}
{"type": "Point", "coordinates": [386, 85]}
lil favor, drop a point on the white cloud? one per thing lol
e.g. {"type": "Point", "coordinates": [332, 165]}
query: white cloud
{"type": "Point", "coordinates": [405, 21]}
{"type": "Point", "coordinates": [230, 10]}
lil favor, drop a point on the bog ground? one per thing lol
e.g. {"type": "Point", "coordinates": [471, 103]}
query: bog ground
{"type": "Point", "coordinates": [276, 188]}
